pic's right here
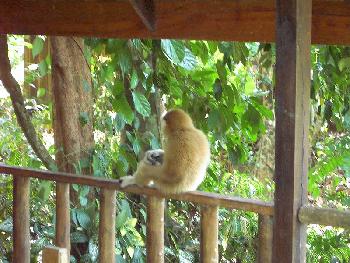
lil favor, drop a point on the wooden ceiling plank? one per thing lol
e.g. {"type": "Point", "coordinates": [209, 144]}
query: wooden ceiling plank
{"type": "Point", "coordinates": [235, 20]}
{"type": "Point", "coordinates": [145, 10]}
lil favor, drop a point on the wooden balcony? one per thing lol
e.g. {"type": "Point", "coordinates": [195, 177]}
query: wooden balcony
{"type": "Point", "coordinates": [209, 203]}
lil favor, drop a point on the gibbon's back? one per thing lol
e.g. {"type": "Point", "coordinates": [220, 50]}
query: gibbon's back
{"type": "Point", "coordinates": [187, 150]}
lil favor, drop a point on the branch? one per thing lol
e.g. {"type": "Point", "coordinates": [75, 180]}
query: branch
{"type": "Point", "coordinates": [23, 118]}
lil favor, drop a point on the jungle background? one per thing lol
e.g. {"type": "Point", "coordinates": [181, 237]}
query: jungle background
{"type": "Point", "coordinates": [92, 106]}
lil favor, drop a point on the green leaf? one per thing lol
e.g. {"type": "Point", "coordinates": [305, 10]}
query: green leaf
{"type": "Point", "coordinates": [134, 80]}
{"type": "Point", "coordinates": [174, 50]}
{"type": "Point", "coordinates": [41, 92]}
{"type": "Point", "coordinates": [38, 45]}
{"type": "Point", "coordinates": [83, 219]}
{"type": "Point", "coordinates": [141, 103]}
{"type": "Point", "coordinates": [121, 105]}
{"type": "Point", "coordinates": [121, 218]}
{"type": "Point", "coordinates": [344, 63]}
{"type": "Point", "coordinates": [44, 190]}
{"type": "Point", "coordinates": [78, 237]}
{"type": "Point", "coordinates": [43, 69]}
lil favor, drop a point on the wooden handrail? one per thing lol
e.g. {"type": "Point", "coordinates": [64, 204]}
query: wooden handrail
{"type": "Point", "coordinates": [202, 198]}
{"type": "Point", "coordinates": [307, 214]}
{"type": "Point", "coordinates": [324, 216]}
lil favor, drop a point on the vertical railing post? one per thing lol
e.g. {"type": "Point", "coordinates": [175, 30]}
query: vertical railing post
{"type": "Point", "coordinates": [155, 229]}
{"type": "Point", "coordinates": [107, 226]}
{"type": "Point", "coordinates": [55, 255]}
{"type": "Point", "coordinates": [21, 237]}
{"type": "Point", "coordinates": [62, 217]}
{"type": "Point", "coordinates": [292, 92]}
{"type": "Point", "coordinates": [209, 234]}
{"type": "Point", "coordinates": [265, 239]}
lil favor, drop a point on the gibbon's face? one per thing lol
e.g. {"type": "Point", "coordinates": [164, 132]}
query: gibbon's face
{"type": "Point", "coordinates": [176, 119]}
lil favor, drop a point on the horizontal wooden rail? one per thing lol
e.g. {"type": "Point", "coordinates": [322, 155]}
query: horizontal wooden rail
{"type": "Point", "coordinates": [230, 20]}
{"type": "Point", "coordinates": [324, 216]}
{"type": "Point", "coordinates": [212, 199]}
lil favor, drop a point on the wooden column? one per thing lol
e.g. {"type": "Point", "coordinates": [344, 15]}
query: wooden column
{"type": "Point", "coordinates": [55, 255]}
{"type": "Point", "coordinates": [107, 226]}
{"type": "Point", "coordinates": [293, 39]}
{"type": "Point", "coordinates": [21, 237]}
{"type": "Point", "coordinates": [265, 239]}
{"type": "Point", "coordinates": [62, 217]}
{"type": "Point", "coordinates": [209, 234]}
{"type": "Point", "coordinates": [155, 229]}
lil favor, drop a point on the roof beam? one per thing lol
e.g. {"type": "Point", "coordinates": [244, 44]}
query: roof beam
{"type": "Point", "coordinates": [145, 10]}
{"type": "Point", "coordinates": [234, 20]}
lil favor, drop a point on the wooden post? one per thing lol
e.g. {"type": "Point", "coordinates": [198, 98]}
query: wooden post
{"type": "Point", "coordinates": [107, 226]}
{"type": "Point", "coordinates": [265, 239]}
{"type": "Point", "coordinates": [209, 234]}
{"type": "Point", "coordinates": [55, 255]}
{"type": "Point", "coordinates": [62, 217]}
{"type": "Point", "coordinates": [293, 42]}
{"type": "Point", "coordinates": [21, 237]}
{"type": "Point", "coordinates": [155, 229]}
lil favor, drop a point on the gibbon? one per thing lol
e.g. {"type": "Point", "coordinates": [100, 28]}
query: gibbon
{"type": "Point", "coordinates": [182, 165]}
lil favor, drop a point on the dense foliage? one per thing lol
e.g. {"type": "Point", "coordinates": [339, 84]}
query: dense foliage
{"type": "Point", "coordinates": [228, 90]}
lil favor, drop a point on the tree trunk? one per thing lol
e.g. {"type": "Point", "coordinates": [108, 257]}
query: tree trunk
{"type": "Point", "coordinates": [72, 123]}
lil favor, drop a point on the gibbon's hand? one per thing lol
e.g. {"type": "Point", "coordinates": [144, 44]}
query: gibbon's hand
{"type": "Point", "coordinates": [126, 181]}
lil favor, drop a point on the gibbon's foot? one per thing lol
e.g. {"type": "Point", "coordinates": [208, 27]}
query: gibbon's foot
{"type": "Point", "coordinates": [154, 157]}
{"type": "Point", "coordinates": [126, 181]}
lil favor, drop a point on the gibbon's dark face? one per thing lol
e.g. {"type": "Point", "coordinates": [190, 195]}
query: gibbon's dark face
{"type": "Point", "coordinates": [176, 119]}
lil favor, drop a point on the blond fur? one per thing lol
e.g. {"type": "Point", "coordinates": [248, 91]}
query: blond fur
{"type": "Point", "coordinates": [186, 157]}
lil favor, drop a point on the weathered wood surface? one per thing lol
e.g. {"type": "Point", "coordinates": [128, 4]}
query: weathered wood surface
{"type": "Point", "coordinates": [63, 216]}
{"type": "Point", "coordinates": [107, 226]}
{"type": "Point", "coordinates": [55, 255]}
{"type": "Point", "coordinates": [257, 206]}
{"type": "Point", "coordinates": [209, 234]}
{"type": "Point", "coordinates": [265, 239]}
{"type": "Point", "coordinates": [324, 216]}
{"type": "Point", "coordinates": [21, 237]}
{"type": "Point", "coordinates": [234, 20]}
{"type": "Point", "coordinates": [293, 43]}
{"type": "Point", "coordinates": [155, 229]}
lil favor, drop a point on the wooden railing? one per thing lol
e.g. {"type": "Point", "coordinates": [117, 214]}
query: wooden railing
{"type": "Point", "coordinates": [209, 203]}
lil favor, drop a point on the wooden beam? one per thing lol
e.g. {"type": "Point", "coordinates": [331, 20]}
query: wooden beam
{"type": "Point", "coordinates": [265, 239]}
{"type": "Point", "coordinates": [231, 202]}
{"type": "Point", "coordinates": [293, 72]}
{"type": "Point", "coordinates": [55, 255]}
{"type": "Point", "coordinates": [145, 10]}
{"type": "Point", "coordinates": [324, 216]}
{"type": "Point", "coordinates": [155, 229]}
{"type": "Point", "coordinates": [234, 20]}
{"type": "Point", "coordinates": [21, 237]}
{"type": "Point", "coordinates": [63, 217]}
{"type": "Point", "coordinates": [209, 234]}
{"type": "Point", "coordinates": [107, 226]}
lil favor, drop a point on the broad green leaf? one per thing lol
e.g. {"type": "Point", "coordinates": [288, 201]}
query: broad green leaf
{"type": "Point", "coordinates": [121, 106]}
{"type": "Point", "coordinates": [43, 69]}
{"type": "Point", "coordinates": [141, 103]}
{"type": "Point", "coordinates": [174, 50]}
{"type": "Point", "coordinates": [78, 237]}
{"type": "Point", "coordinates": [41, 92]}
{"type": "Point", "coordinates": [134, 80]}
{"type": "Point", "coordinates": [38, 45]}
{"type": "Point", "coordinates": [83, 219]}
{"type": "Point", "coordinates": [121, 218]}
{"type": "Point", "coordinates": [344, 63]}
